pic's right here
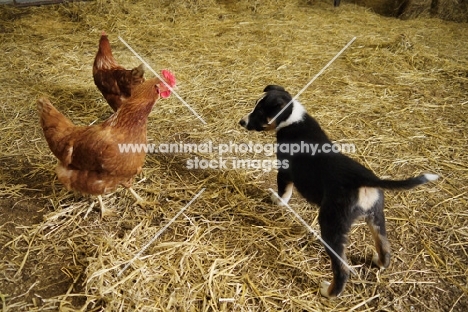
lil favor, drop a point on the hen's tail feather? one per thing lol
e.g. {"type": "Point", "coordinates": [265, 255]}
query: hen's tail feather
{"type": "Point", "coordinates": [403, 184]}
{"type": "Point", "coordinates": [56, 129]}
{"type": "Point", "coordinates": [50, 116]}
{"type": "Point", "coordinates": [104, 58]}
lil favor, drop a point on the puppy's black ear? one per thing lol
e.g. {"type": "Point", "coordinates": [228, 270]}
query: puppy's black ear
{"type": "Point", "coordinates": [273, 87]}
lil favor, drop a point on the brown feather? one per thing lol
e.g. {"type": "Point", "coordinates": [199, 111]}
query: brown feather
{"type": "Point", "coordinates": [90, 160]}
{"type": "Point", "coordinates": [114, 81]}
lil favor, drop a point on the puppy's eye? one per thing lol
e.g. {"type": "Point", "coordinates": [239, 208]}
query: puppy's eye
{"type": "Point", "coordinates": [279, 103]}
{"type": "Point", "coordinates": [258, 112]}
{"type": "Point", "coordinates": [260, 109]}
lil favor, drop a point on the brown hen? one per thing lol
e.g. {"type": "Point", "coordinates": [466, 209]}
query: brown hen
{"type": "Point", "coordinates": [90, 157]}
{"type": "Point", "coordinates": [114, 81]}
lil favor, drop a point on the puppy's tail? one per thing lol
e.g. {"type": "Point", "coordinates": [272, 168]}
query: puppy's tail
{"type": "Point", "coordinates": [403, 184]}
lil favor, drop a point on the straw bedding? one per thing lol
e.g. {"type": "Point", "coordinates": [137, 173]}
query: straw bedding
{"type": "Point", "coordinates": [399, 93]}
{"type": "Point", "coordinates": [451, 10]}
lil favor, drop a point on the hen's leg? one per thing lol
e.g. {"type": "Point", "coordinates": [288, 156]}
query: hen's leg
{"type": "Point", "coordinates": [137, 197]}
{"type": "Point", "coordinates": [105, 212]}
{"type": "Point", "coordinates": [139, 200]}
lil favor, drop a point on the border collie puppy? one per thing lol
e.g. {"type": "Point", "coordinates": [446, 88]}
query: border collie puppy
{"type": "Point", "coordinates": [344, 189]}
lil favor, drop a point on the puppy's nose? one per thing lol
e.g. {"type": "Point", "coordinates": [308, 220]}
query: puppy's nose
{"type": "Point", "coordinates": [242, 123]}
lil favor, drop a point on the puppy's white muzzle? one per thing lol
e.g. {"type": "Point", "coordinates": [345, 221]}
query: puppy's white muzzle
{"type": "Point", "coordinates": [244, 121]}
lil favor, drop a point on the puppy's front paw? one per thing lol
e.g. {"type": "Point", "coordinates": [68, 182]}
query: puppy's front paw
{"type": "Point", "coordinates": [276, 200]}
{"type": "Point", "coordinates": [377, 263]}
{"type": "Point", "coordinates": [328, 290]}
{"type": "Point", "coordinates": [324, 289]}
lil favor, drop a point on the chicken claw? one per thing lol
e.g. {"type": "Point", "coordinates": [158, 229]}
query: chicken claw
{"type": "Point", "coordinates": [139, 200]}
{"type": "Point", "coordinates": [104, 211]}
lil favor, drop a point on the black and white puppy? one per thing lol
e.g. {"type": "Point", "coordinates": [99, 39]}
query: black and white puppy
{"type": "Point", "coordinates": [344, 189]}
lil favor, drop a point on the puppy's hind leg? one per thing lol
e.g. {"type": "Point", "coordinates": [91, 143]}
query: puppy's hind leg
{"type": "Point", "coordinates": [334, 233]}
{"type": "Point", "coordinates": [285, 188]}
{"type": "Point", "coordinates": [376, 222]}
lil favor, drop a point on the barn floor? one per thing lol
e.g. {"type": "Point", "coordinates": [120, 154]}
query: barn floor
{"type": "Point", "coordinates": [399, 93]}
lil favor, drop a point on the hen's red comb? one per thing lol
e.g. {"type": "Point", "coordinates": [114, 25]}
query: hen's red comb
{"type": "Point", "coordinates": [169, 77]}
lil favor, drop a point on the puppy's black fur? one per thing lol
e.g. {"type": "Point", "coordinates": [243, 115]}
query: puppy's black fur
{"type": "Point", "coordinates": [344, 189]}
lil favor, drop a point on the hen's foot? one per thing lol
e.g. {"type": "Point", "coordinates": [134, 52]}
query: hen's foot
{"type": "Point", "coordinates": [106, 213]}
{"type": "Point", "coordinates": [143, 203]}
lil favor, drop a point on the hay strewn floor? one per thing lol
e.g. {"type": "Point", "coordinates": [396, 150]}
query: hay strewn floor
{"type": "Point", "coordinates": [399, 93]}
